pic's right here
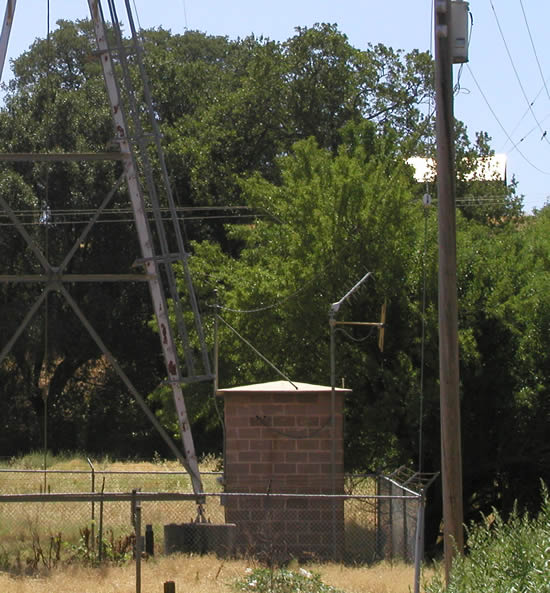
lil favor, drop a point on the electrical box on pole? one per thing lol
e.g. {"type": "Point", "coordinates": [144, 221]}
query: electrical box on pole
{"type": "Point", "coordinates": [459, 31]}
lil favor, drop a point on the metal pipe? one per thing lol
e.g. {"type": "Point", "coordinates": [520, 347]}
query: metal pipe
{"type": "Point", "coordinates": [93, 503]}
{"type": "Point", "coordinates": [419, 542]}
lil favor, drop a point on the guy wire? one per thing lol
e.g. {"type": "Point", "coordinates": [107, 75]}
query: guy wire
{"type": "Point", "coordinates": [423, 315]}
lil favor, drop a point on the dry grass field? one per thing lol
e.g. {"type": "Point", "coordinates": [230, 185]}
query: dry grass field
{"type": "Point", "coordinates": [192, 574]}
{"type": "Point", "coordinates": [206, 574]}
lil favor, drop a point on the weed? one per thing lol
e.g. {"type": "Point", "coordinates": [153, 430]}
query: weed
{"type": "Point", "coordinates": [282, 580]}
{"type": "Point", "coordinates": [116, 550]}
{"type": "Point", "coordinates": [47, 559]}
{"type": "Point", "coordinates": [4, 560]}
{"type": "Point", "coordinates": [503, 556]}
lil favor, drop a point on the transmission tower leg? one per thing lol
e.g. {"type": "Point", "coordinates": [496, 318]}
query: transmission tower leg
{"type": "Point", "coordinates": [146, 243]}
{"type": "Point", "coordinates": [6, 30]}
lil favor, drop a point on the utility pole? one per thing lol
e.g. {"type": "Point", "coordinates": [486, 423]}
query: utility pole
{"type": "Point", "coordinates": [451, 455]}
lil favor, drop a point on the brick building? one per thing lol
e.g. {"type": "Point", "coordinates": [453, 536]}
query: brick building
{"type": "Point", "coordinates": [280, 440]}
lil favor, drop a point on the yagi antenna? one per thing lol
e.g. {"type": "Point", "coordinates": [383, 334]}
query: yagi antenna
{"type": "Point", "coordinates": [335, 307]}
{"type": "Point", "coordinates": [382, 327]}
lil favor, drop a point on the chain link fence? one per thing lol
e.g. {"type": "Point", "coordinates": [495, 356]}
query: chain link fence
{"type": "Point", "coordinates": [375, 519]}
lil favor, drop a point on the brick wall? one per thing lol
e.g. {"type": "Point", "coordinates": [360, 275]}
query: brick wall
{"type": "Point", "coordinates": [280, 440]}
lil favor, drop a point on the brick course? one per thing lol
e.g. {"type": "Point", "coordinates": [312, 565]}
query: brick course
{"type": "Point", "coordinates": [279, 440]}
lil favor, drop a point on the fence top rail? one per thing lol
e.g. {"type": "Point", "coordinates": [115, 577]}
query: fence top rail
{"type": "Point", "coordinates": [105, 472]}
{"type": "Point", "coordinates": [179, 496]}
{"type": "Point", "coordinates": [145, 472]}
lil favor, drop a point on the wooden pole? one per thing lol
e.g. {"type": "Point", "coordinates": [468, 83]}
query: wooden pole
{"type": "Point", "coordinates": [451, 457]}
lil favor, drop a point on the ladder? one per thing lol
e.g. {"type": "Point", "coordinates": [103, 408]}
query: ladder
{"type": "Point", "coordinates": [161, 242]}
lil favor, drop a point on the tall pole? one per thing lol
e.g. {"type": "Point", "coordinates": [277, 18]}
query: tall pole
{"type": "Point", "coordinates": [5, 35]}
{"type": "Point", "coordinates": [451, 457]}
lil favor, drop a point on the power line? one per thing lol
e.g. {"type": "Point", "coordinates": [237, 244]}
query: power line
{"type": "Point", "coordinates": [500, 123]}
{"type": "Point", "coordinates": [523, 117]}
{"type": "Point", "coordinates": [181, 209]}
{"type": "Point", "coordinates": [534, 49]}
{"type": "Point", "coordinates": [526, 134]}
{"type": "Point", "coordinates": [543, 132]}
{"type": "Point", "coordinates": [240, 217]}
{"type": "Point", "coordinates": [185, 15]}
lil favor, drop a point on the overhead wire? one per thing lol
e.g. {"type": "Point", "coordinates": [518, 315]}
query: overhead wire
{"type": "Point", "coordinates": [527, 134]}
{"type": "Point", "coordinates": [524, 116]}
{"type": "Point", "coordinates": [137, 15]}
{"type": "Point", "coordinates": [493, 113]}
{"type": "Point", "coordinates": [514, 68]}
{"type": "Point", "coordinates": [57, 217]}
{"type": "Point", "coordinates": [424, 284]}
{"type": "Point", "coordinates": [534, 48]}
{"type": "Point", "coordinates": [543, 88]}
{"type": "Point", "coordinates": [54, 223]}
{"type": "Point", "coordinates": [185, 15]}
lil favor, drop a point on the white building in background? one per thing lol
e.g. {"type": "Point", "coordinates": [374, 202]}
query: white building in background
{"type": "Point", "coordinates": [491, 168]}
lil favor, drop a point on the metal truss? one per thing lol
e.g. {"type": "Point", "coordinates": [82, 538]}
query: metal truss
{"type": "Point", "coordinates": [161, 243]}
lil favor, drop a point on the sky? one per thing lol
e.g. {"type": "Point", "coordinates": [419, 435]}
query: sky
{"type": "Point", "coordinates": [502, 90]}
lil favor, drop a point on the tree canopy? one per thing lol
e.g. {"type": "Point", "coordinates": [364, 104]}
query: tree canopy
{"type": "Point", "coordinates": [290, 158]}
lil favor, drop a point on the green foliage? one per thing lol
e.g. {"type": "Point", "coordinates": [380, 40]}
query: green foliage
{"type": "Point", "coordinates": [504, 556]}
{"type": "Point", "coordinates": [504, 319]}
{"type": "Point", "coordinates": [311, 135]}
{"type": "Point", "coordinates": [115, 550]}
{"type": "Point", "coordinates": [282, 580]}
{"type": "Point", "coordinates": [57, 102]}
{"type": "Point", "coordinates": [35, 554]}
{"type": "Point", "coordinates": [35, 460]}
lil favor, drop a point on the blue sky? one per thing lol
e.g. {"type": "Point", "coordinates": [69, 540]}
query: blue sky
{"type": "Point", "coordinates": [502, 90]}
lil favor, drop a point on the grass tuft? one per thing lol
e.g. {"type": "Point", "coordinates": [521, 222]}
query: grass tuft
{"type": "Point", "coordinates": [504, 556]}
{"type": "Point", "coordinates": [282, 580]}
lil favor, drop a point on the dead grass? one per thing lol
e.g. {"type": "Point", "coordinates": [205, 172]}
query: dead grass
{"type": "Point", "coordinates": [201, 574]}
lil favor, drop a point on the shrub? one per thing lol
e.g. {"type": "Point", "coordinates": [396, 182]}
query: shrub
{"type": "Point", "coordinates": [282, 580]}
{"type": "Point", "coordinates": [504, 556]}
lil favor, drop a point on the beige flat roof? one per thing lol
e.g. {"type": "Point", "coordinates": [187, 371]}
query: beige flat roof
{"type": "Point", "coordinates": [281, 387]}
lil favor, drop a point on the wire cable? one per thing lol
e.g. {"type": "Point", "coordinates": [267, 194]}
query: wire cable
{"type": "Point", "coordinates": [543, 132]}
{"type": "Point", "coordinates": [527, 134]}
{"type": "Point", "coordinates": [137, 16]}
{"type": "Point", "coordinates": [422, 345]}
{"type": "Point", "coordinates": [534, 48]}
{"type": "Point", "coordinates": [423, 315]}
{"type": "Point", "coordinates": [273, 305]}
{"type": "Point", "coordinates": [500, 124]}
{"type": "Point", "coordinates": [523, 117]}
{"type": "Point", "coordinates": [185, 15]}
